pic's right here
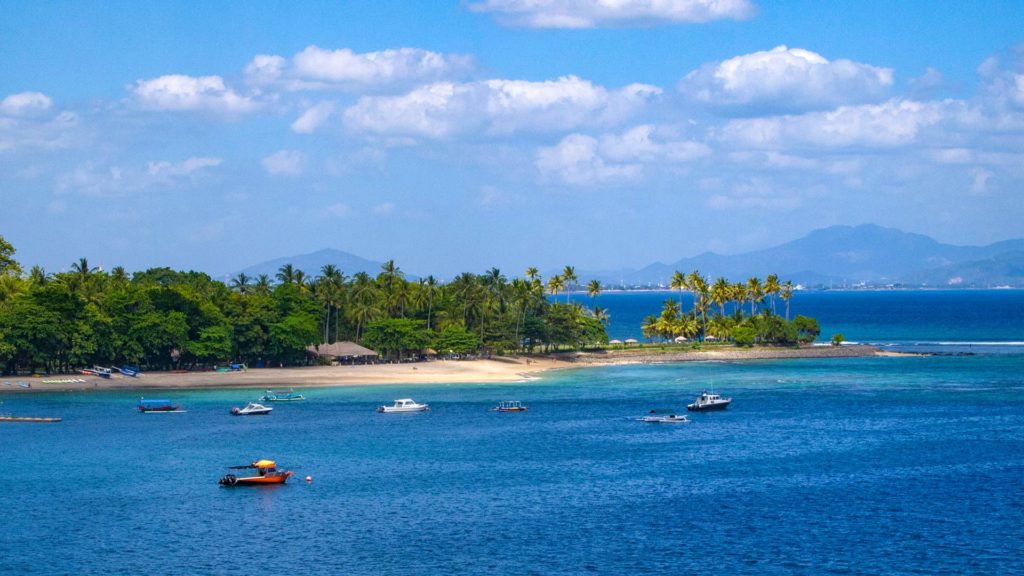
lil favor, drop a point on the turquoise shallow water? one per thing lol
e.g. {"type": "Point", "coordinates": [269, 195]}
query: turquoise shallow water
{"type": "Point", "coordinates": [848, 466]}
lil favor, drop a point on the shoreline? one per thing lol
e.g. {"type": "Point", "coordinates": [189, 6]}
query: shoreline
{"type": "Point", "coordinates": [481, 371]}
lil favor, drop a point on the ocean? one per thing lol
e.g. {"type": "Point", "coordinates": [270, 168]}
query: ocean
{"type": "Point", "coordinates": [907, 465]}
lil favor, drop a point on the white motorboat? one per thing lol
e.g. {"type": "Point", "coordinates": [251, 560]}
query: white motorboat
{"type": "Point", "coordinates": [404, 405]}
{"type": "Point", "coordinates": [708, 402]}
{"type": "Point", "coordinates": [665, 419]}
{"type": "Point", "coordinates": [252, 409]}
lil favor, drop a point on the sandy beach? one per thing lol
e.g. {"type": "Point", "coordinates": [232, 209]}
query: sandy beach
{"type": "Point", "coordinates": [501, 369]}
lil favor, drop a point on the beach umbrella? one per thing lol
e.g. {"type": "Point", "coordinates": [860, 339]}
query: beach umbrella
{"type": "Point", "coordinates": [615, 341]}
{"type": "Point", "coordinates": [682, 339]}
{"type": "Point", "coordinates": [631, 340]}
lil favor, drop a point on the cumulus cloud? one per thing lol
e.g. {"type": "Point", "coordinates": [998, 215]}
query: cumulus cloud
{"type": "Point", "coordinates": [1002, 82]}
{"type": "Point", "coordinates": [785, 80]}
{"type": "Point", "coordinates": [384, 209]}
{"type": "Point", "coordinates": [179, 93]}
{"type": "Point", "coordinates": [442, 109]}
{"type": "Point", "coordinates": [316, 68]}
{"type": "Point", "coordinates": [581, 160]}
{"type": "Point", "coordinates": [605, 13]}
{"type": "Point", "coordinates": [890, 124]}
{"type": "Point", "coordinates": [28, 122]}
{"type": "Point", "coordinates": [25, 104]}
{"type": "Point", "coordinates": [165, 168]}
{"type": "Point", "coordinates": [284, 163]}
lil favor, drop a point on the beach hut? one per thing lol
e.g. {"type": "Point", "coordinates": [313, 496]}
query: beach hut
{"type": "Point", "coordinates": [631, 341]}
{"type": "Point", "coordinates": [343, 352]}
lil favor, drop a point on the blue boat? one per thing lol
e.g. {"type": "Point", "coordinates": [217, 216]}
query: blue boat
{"type": "Point", "coordinates": [132, 371]}
{"type": "Point", "coordinates": [158, 407]}
{"type": "Point", "coordinates": [281, 396]}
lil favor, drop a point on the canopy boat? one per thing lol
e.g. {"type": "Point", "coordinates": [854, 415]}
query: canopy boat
{"type": "Point", "coordinates": [251, 409]}
{"type": "Point", "coordinates": [158, 407]}
{"type": "Point", "coordinates": [509, 406]}
{"type": "Point", "coordinates": [281, 396]}
{"type": "Point", "coordinates": [266, 474]}
{"type": "Point", "coordinates": [404, 405]}
{"type": "Point", "coordinates": [708, 402]}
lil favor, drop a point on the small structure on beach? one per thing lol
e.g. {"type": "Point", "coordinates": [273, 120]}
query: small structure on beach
{"type": "Point", "coordinates": [344, 352]}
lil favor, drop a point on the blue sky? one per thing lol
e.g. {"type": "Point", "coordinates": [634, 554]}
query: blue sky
{"type": "Point", "coordinates": [462, 135]}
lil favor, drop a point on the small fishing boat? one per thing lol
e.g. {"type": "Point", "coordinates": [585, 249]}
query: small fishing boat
{"type": "Point", "coordinates": [509, 406]}
{"type": "Point", "coordinates": [132, 371]}
{"type": "Point", "coordinates": [403, 405]}
{"type": "Point", "coordinates": [708, 402]}
{"type": "Point", "coordinates": [266, 474]}
{"type": "Point", "coordinates": [664, 419]}
{"type": "Point", "coordinates": [158, 407]}
{"type": "Point", "coordinates": [288, 395]}
{"type": "Point", "coordinates": [102, 372]}
{"type": "Point", "coordinates": [252, 409]}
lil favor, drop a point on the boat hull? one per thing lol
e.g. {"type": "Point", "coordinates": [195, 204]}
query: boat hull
{"type": "Point", "coordinates": [393, 410]}
{"type": "Point", "coordinates": [716, 407]}
{"type": "Point", "coordinates": [28, 419]}
{"type": "Point", "coordinates": [269, 480]}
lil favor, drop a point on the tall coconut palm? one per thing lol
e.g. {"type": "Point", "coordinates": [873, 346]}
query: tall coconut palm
{"type": "Point", "coordinates": [649, 328]}
{"type": "Point", "coordinates": [38, 276]}
{"type": "Point", "coordinates": [786, 294]}
{"type": "Point", "coordinates": [755, 292]}
{"type": "Point", "coordinates": [721, 293]}
{"type": "Point", "coordinates": [241, 283]}
{"type": "Point", "coordinates": [570, 279]}
{"type": "Point", "coordinates": [262, 285]}
{"type": "Point", "coordinates": [678, 282]}
{"type": "Point", "coordinates": [594, 290]}
{"type": "Point", "coordinates": [531, 273]}
{"type": "Point", "coordinates": [555, 285]}
{"type": "Point", "coordinates": [739, 295]}
{"type": "Point", "coordinates": [430, 287]}
{"type": "Point", "coordinates": [771, 288]}
{"type": "Point", "coordinates": [286, 274]}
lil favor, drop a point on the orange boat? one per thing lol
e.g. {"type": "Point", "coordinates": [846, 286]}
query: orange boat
{"type": "Point", "coordinates": [266, 473]}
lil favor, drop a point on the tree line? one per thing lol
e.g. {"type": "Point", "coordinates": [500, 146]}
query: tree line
{"type": "Point", "coordinates": [166, 319]}
{"type": "Point", "coordinates": [740, 312]}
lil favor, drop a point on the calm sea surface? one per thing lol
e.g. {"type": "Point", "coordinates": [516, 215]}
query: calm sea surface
{"type": "Point", "coordinates": [851, 466]}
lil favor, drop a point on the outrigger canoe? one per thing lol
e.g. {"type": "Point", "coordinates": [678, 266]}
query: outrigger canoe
{"type": "Point", "coordinates": [266, 474]}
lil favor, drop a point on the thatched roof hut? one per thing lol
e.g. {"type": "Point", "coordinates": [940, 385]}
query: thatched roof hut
{"type": "Point", "coordinates": [341, 350]}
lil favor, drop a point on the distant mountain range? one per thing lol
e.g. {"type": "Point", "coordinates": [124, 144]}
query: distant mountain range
{"type": "Point", "coordinates": [312, 263]}
{"type": "Point", "coordinates": [837, 256]}
{"type": "Point", "coordinates": [850, 256]}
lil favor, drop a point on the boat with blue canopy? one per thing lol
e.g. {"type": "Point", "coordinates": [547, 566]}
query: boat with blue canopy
{"type": "Point", "coordinates": [281, 396]}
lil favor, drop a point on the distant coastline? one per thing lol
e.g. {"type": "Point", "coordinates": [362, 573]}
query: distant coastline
{"type": "Point", "coordinates": [482, 371]}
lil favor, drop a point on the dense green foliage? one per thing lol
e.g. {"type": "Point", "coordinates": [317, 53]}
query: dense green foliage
{"type": "Point", "coordinates": [709, 318]}
{"type": "Point", "coordinates": [163, 319]}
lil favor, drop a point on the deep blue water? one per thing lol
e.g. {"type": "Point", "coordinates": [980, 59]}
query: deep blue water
{"type": "Point", "coordinates": [908, 465]}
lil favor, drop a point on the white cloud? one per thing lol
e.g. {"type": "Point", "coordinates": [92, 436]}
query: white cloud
{"type": "Point", "coordinates": [313, 117]}
{"type": "Point", "coordinates": [580, 159]}
{"type": "Point", "coordinates": [785, 80]}
{"type": "Point", "coordinates": [90, 180]}
{"type": "Point", "coordinates": [442, 109]}
{"type": "Point", "coordinates": [890, 124]}
{"type": "Point", "coordinates": [178, 92]}
{"type": "Point", "coordinates": [284, 163]}
{"type": "Point", "coordinates": [593, 14]}
{"type": "Point", "coordinates": [576, 160]}
{"type": "Point", "coordinates": [25, 104]}
{"type": "Point", "coordinates": [316, 68]}
{"type": "Point", "coordinates": [384, 209]}
{"type": "Point", "coordinates": [28, 131]}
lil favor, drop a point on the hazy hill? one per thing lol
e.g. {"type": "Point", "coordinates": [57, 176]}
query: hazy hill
{"type": "Point", "coordinates": [348, 263]}
{"type": "Point", "coordinates": [845, 255]}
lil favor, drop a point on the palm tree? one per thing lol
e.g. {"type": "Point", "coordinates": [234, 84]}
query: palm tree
{"type": "Point", "coordinates": [569, 276]}
{"type": "Point", "coordinates": [430, 286]}
{"type": "Point", "coordinates": [755, 292]}
{"type": "Point", "coordinates": [649, 328]}
{"type": "Point", "coordinates": [678, 282]}
{"type": "Point", "coordinates": [739, 295]}
{"type": "Point", "coordinates": [594, 290]}
{"type": "Point", "coordinates": [601, 315]}
{"type": "Point", "coordinates": [786, 294]}
{"type": "Point", "coordinates": [240, 283]}
{"type": "Point", "coordinates": [721, 293]}
{"type": "Point", "coordinates": [38, 276]}
{"type": "Point", "coordinates": [262, 285]}
{"type": "Point", "coordinates": [555, 285]}
{"type": "Point", "coordinates": [286, 274]}
{"type": "Point", "coordinates": [771, 288]}
{"type": "Point", "coordinates": [531, 273]}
